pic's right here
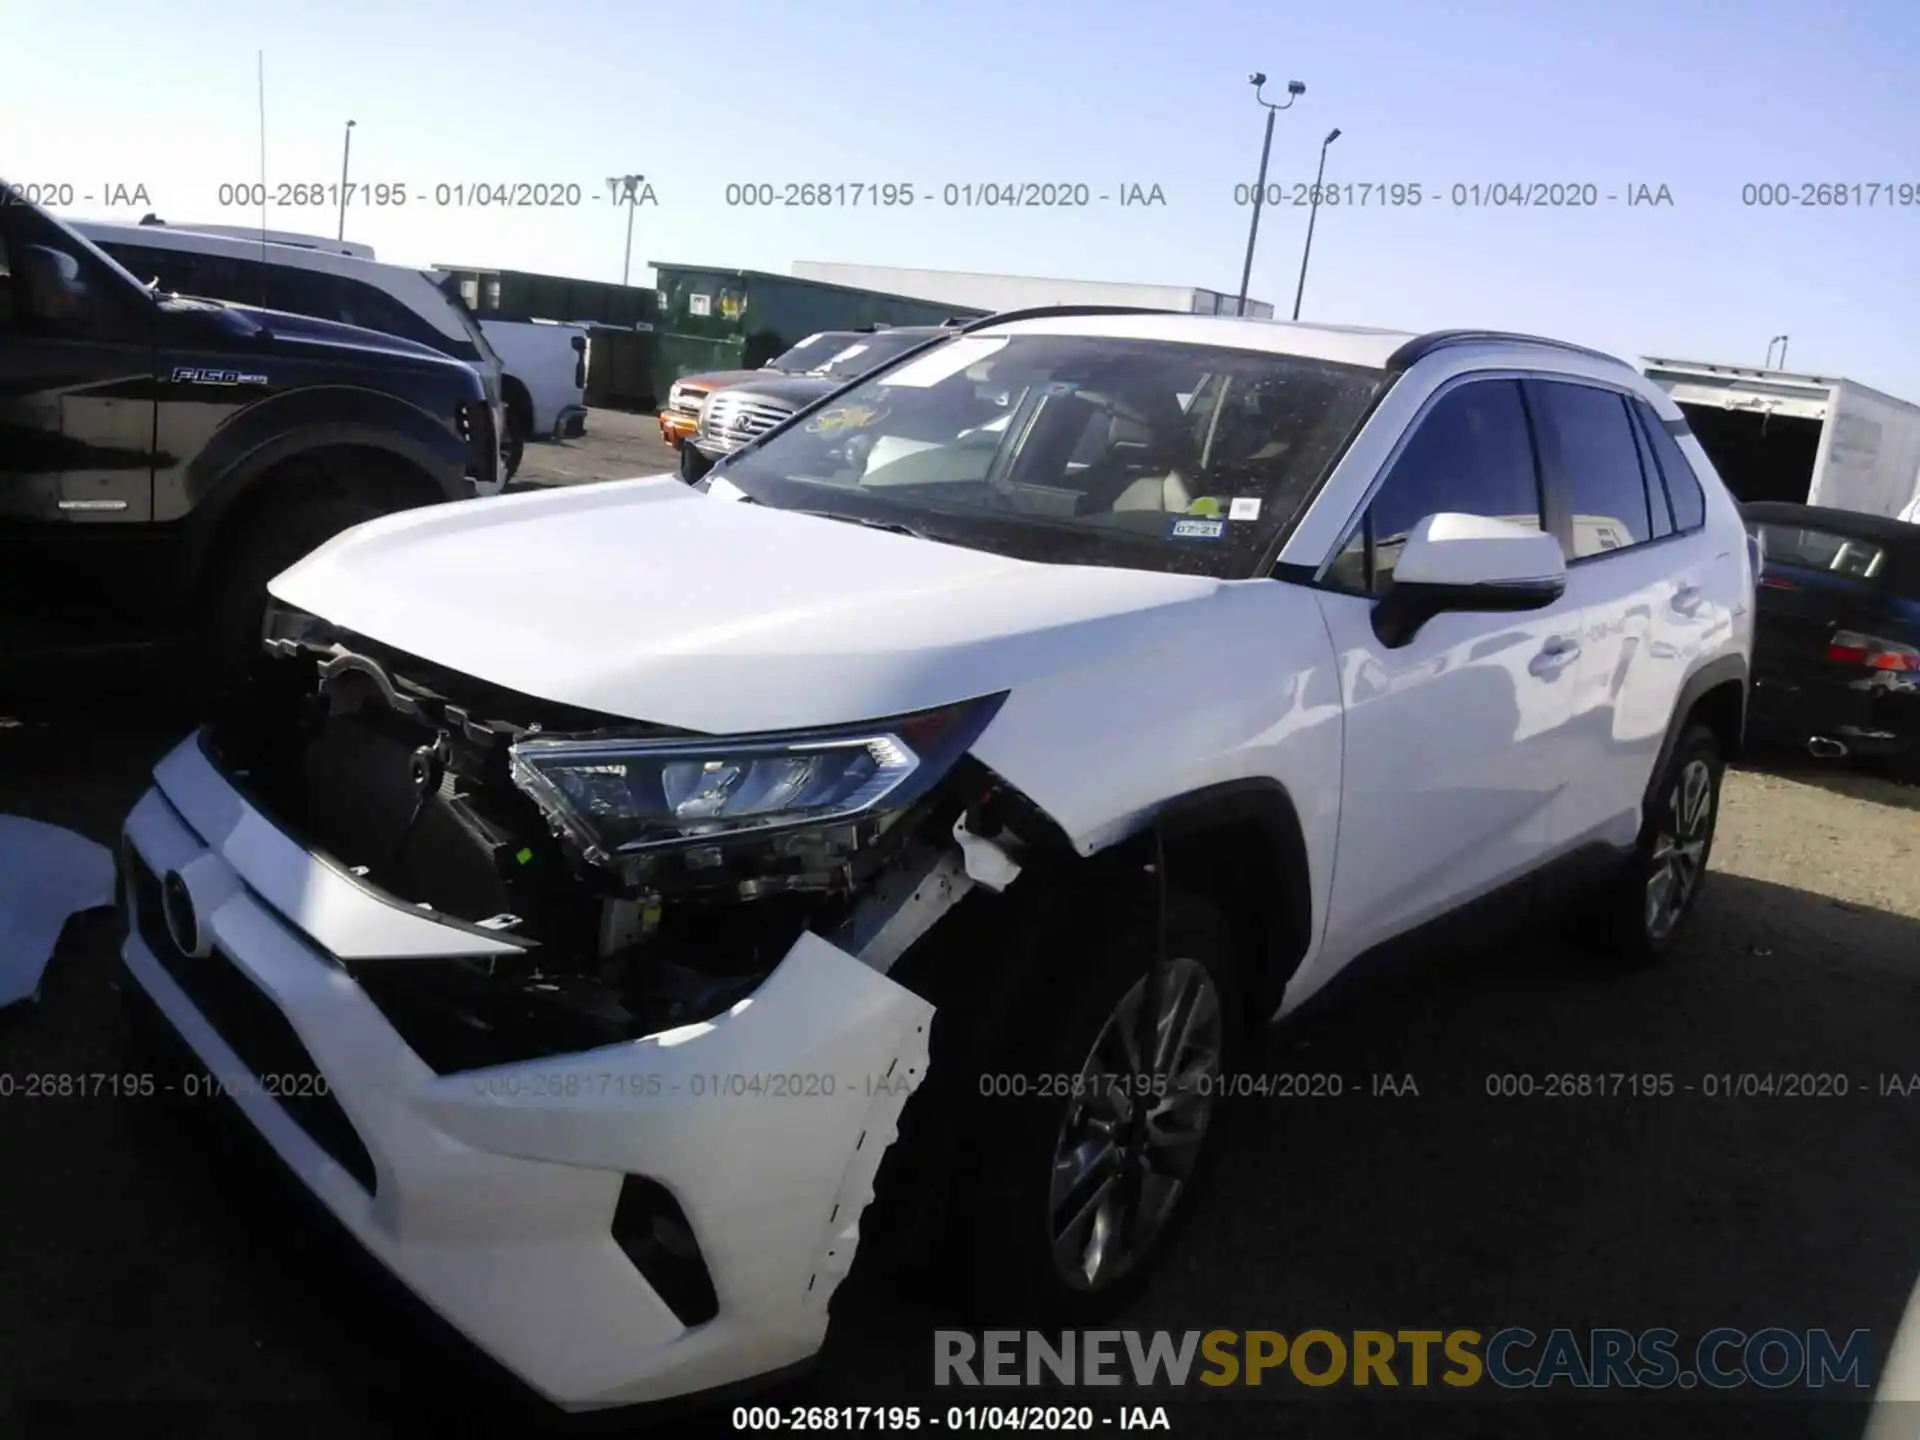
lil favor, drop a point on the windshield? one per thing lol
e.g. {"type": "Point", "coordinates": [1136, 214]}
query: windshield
{"type": "Point", "coordinates": [1080, 449]}
{"type": "Point", "coordinates": [863, 352]}
{"type": "Point", "coordinates": [843, 354]}
{"type": "Point", "coordinates": [812, 351]}
{"type": "Point", "coordinates": [450, 287]}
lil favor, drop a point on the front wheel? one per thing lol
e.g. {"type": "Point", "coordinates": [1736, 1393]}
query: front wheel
{"type": "Point", "coordinates": [1661, 885]}
{"type": "Point", "coordinates": [274, 539]}
{"type": "Point", "coordinates": [1090, 1130]}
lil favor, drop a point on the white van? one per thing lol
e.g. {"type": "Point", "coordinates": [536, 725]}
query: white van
{"type": "Point", "coordinates": [330, 280]}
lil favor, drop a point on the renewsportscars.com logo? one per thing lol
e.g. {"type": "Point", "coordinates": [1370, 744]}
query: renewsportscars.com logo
{"type": "Point", "coordinates": [1514, 1358]}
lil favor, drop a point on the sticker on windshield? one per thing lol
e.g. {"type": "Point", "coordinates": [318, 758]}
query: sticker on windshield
{"type": "Point", "coordinates": [1244, 507]}
{"type": "Point", "coordinates": [699, 304]}
{"type": "Point", "coordinates": [944, 362]}
{"type": "Point", "coordinates": [1193, 528]}
{"type": "Point", "coordinates": [846, 417]}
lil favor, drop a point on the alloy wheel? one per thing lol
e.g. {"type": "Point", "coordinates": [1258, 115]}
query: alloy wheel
{"type": "Point", "coordinates": [1134, 1127]}
{"type": "Point", "coordinates": [1679, 849]}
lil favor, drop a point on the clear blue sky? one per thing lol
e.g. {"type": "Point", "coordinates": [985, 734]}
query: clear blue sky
{"type": "Point", "coordinates": [1701, 97]}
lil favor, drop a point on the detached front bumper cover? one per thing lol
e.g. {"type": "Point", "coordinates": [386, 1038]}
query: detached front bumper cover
{"type": "Point", "coordinates": [495, 1192]}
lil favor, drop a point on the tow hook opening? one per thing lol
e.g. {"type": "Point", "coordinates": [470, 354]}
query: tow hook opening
{"type": "Point", "coordinates": [652, 1230]}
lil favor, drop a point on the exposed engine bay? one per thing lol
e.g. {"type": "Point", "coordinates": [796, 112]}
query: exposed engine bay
{"type": "Point", "coordinates": [414, 780]}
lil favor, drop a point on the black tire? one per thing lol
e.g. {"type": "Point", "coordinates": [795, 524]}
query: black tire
{"type": "Point", "coordinates": [513, 445]}
{"type": "Point", "coordinates": [1631, 933]}
{"type": "Point", "coordinates": [273, 537]}
{"type": "Point", "coordinates": [1008, 1218]}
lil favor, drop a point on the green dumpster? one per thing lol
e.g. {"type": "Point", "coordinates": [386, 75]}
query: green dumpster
{"type": "Point", "coordinates": [720, 319]}
{"type": "Point", "coordinates": [524, 295]}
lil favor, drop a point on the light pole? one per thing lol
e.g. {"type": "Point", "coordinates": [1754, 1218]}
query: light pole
{"type": "Point", "coordinates": [625, 187]}
{"type": "Point", "coordinates": [1781, 341]}
{"type": "Point", "coordinates": [1312, 212]}
{"type": "Point", "coordinates": [1294, 91]}
{"type": "Point", "coordinates": [346, 154]}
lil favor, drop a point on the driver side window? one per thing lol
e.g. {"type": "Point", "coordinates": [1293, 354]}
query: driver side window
{"type": "Point", "coordinates": [1472, 453]}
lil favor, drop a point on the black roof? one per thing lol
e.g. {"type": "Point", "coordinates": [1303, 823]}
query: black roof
{"type": "Point", "coordinates": [1881, 529]}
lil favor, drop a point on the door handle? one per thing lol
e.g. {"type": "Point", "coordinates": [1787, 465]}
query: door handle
{"type": "Point", "coordinates": [1558, 653]}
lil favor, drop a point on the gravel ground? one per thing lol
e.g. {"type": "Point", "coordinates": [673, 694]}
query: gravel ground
{"type": "Point", "coordinates": [156, 1279]}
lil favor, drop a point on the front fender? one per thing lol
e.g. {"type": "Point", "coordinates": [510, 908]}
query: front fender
{"type": "Point", "coordinates": [244, 453]}
{"type": "Point", "coordinates": [254, 440]}
{"type": "Point", "coordinates": [1251, 692]}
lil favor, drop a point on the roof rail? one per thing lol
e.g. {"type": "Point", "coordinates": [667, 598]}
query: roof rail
{"type": "Point", "coordinates": [1045, 312]}
{"type": "Point", "coordinates": [1422, 346]}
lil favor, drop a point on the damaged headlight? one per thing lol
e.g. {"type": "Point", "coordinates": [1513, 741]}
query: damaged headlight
{"type": "Point", "coordinates": [621, 797]}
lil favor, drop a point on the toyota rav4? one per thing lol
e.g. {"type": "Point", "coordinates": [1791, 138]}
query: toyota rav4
{"type": "Point", "coordinates": [922, 811]}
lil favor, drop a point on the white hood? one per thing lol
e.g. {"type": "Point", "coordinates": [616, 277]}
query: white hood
{"type": "Point", "coordinates": [655, 602]}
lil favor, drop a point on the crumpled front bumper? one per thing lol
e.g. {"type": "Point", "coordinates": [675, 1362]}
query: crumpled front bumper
{"type": "Point", "coordinates": [494, 1191]}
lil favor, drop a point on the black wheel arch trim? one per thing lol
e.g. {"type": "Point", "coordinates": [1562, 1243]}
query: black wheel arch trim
{"type": "Point", "coordinates": [1288, 912]}
{"type": "Point", "coordinates": [249, 450]}
{"type": "Point", "coordinates": [1724, 670]}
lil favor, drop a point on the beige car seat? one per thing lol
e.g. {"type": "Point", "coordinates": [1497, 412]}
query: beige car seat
{"type": "Point", "coordinates": [1167, 492]}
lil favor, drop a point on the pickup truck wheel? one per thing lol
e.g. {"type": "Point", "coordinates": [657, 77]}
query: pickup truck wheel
{"type": "Point", "coordinates": [274, 539]}
{"type": "Point", "coordinates": [1657, 892]}
{"type": "Point", "coordinates": [513, 445]}
{"type": "Point", "coordinates": [1087, 1141]}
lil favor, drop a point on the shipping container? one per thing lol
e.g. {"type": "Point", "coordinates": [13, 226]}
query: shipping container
{"type": "Point", "coordinates": [1803, 439]}
{"type": "Point", "coordinates": [993, 293]}
{"type": "Point", "coordinates": [721, 319]}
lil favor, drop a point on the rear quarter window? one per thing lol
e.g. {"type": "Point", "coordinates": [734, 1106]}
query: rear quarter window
{"type": "Point", "coordinates": [1689, 501]}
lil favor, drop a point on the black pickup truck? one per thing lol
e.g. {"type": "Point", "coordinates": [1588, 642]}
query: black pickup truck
{"type": "Point", "coordinates": [162, 457]}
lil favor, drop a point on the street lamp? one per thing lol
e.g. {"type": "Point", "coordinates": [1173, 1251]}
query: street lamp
{"type": "Point", "coordinates": [1312, 212]}
{"type": "Point", "coordinates": [626, 187]}
{"type": "Point", "coordinates": [1781, 341]}
{"type": "Point", "coordinates": [1294, 91]}
{"type": "Point", "coordinates": [346, 154]}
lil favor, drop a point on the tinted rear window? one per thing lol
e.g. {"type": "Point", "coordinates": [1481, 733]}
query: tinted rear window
{"type": "Point", "coordinates": [1807, 549]}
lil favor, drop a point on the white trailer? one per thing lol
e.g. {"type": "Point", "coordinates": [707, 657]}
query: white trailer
{"type": "Point", "coordinates": [970, 290]}
{"type": "Point", "coordinates": [1804, 439]}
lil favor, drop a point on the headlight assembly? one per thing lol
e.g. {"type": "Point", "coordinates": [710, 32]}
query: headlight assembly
{"type": "Point", "coordinates": [625, 801]}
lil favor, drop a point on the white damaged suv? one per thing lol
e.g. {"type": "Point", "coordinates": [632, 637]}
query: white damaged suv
{"type": "Point", "coordinates": [602, 893]}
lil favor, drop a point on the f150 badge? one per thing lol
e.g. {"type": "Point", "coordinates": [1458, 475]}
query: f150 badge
{"type": "Point", "coordinates": [194, 375]}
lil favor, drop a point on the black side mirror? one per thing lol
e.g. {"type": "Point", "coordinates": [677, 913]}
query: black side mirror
{"type": "Point", "coordinates": [48, 285]}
